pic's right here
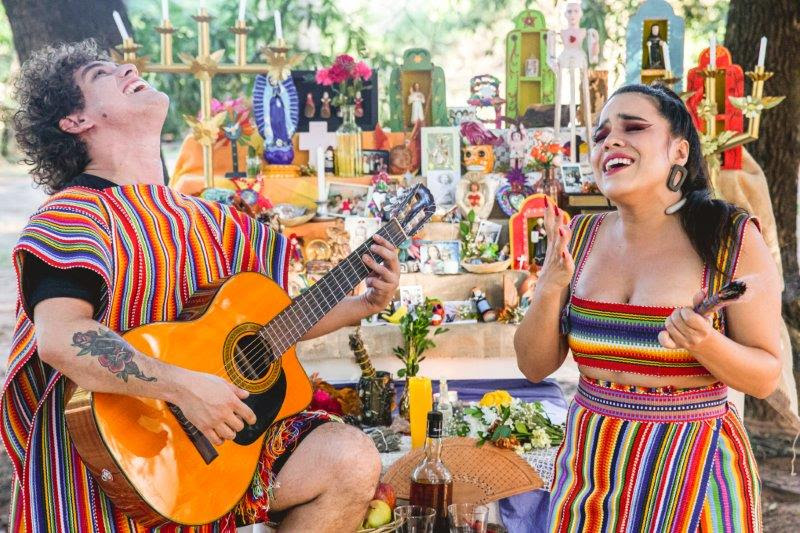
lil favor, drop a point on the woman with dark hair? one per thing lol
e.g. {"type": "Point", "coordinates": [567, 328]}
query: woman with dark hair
{"type": "Point", "coordinates": [651, 441]}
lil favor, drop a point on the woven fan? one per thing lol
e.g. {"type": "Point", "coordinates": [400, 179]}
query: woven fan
{"type": "Point", "coordinates": [480, 474]}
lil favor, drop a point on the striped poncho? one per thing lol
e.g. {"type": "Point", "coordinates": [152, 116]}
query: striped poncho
{"type": "Point", "coordinates": [153, 248]}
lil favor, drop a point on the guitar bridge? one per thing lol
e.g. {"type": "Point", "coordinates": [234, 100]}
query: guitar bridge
{"type": "Point", "coordinates": [200, 442]}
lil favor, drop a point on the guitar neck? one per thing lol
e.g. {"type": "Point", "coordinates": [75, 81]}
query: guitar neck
{"type": "Point", "coordinates": [291, 324]}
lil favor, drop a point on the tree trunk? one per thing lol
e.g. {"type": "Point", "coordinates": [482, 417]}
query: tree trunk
{"type": "Point", "coordinates": [778, 147]}
{"type": "Point", "coordinates": [36, 23]}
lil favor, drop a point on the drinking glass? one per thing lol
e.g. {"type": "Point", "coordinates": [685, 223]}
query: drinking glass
{"type": "Point", "coordinates": [415, 518]}
{"type": "Point", "coordinates": [467, 518]}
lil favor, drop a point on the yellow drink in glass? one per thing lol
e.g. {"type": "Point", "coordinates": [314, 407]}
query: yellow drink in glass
{"type": "Point", "coordinates": [420, 401]}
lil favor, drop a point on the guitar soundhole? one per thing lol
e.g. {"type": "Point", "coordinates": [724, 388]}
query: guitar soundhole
{"type": "Point", "coordinates": [252, 357]}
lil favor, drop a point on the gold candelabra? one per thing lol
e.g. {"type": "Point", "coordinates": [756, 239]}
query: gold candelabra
{"type": "Point", "coordinates": [714, 141]}
{"type": "Point", "coordinates": [204, 66]}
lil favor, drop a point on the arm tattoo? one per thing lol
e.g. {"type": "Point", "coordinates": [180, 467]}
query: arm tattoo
{"type": "Point", "coordinates": [111, 352]}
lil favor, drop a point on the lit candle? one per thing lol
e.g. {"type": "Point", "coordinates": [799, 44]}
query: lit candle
{"type": "Point", "coordinates": [321, 192]}
{"type": "Point", "coordinates": [762, 52]}
{"type": "Point", "coordinates": [242, 4]}
{"type": "Point", "coordinates": [712, 50]}
{"type": "Point", "coordinates": [164, 9]}
{"type": "Point", "coordinates": [278, 26]}
{"type": "Point", "coordinates": [120, 26]}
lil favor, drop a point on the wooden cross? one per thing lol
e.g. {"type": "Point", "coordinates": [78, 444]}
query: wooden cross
{"type": "Point", "coordinates": [317, 135]}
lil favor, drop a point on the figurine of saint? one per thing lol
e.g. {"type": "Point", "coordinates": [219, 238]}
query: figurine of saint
{"type": "Point", "coordinates": [657, 50]}
{"type": "Point", "coordinates": [276, 110]}
{"type": "Point", "coordinates": [417, 102]}
{"type": "Point", "coordinates": [310, 108]}
{"type": "Point", "coordinates": [475, 196]}
{"type": "Point", "coordinates": [440, 155]}
{"type": "Point", "coordinates": [359, 101]}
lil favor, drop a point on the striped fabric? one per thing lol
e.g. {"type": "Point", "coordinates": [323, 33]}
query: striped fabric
{"type": "Point", "coordinates": [665, 460]}
{"type": "Point", "coordinates": [623, 337]}
{"type": "Point", "coordinates": [152, 247]}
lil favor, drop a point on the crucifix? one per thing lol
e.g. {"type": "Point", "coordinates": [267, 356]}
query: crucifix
{"type": "Point", "coordinates": [317, 136]}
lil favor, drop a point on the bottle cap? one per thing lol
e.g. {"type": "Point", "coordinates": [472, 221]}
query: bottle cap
{"type": "Point", "coordinates": [434, 424]}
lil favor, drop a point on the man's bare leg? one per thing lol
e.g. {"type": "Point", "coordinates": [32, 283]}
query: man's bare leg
{"type": "Point", "coordinates": [328, 481]}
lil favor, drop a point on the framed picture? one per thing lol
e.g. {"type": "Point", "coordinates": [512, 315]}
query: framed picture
{"type": "Point", "coordinates": [488, 232]}
{"type": "Point", "coordinates": [457, 115]}
{"type": "Point", "coordinates": [411, 296]}
{"type": "Point", "coordinates": [360, 229]}
{"type": "Point", "coordinates": [460, 311]}
{"type": "Point", "coordinates": [374, 160]}
{"type": "Point", "coordinates": [443, 184]}
{"type": "Point", "coordinates": [345, 199]}
{"type": "Point", "coordinates": [441, 150]}
{"type": "Point", "coordinates": [571, 177]}
{"type": "Point", "coordinates": [439, 257]}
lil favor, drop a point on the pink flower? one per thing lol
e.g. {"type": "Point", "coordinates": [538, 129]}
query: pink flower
{"type": "Point", "coordinates": [321, 400]}
{"type": "Point", "coordinates": [323, 76]}
{"type": "Point", "coordinates": [362, 70]}
{"type": "Point", "coordinates": [345, 61]}
{"type": "Point", "coordinates": [339, 73]}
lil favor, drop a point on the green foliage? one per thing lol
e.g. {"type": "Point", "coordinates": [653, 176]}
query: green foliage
{"type": "Point", "coordinates": [415, 327]}
{"type": "Point", "coordinates": [467, 228]}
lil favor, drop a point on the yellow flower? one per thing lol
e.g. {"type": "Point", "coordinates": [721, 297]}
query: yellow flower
{"type": "Point", "coordinates": [496, 398]}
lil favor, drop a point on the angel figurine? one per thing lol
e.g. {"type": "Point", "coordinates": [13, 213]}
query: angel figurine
{"type": "Point", "coordinates": [517, 146]}
{"type": "Point", "coordinates": [572, 58]}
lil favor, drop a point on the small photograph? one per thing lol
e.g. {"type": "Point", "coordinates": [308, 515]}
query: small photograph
{"type": "Point", "coordinates": [374, 160]}
{"type": "Point", "coordinates": [360, 229]}
{"type": "Point", "coordinates": [439, 257]}
{"type": "Point", "coordinates": [441, 150]}
{"type": "Point", "coordinates": [488, 232]}
{"type": "Point", "coordinates": [443, 184]}
{"type": "Point", "coordinates": [457, 115]}
{"type": "Point", "coordinates": [411, 296]}
{"type": "Point", "coordinates": [346, 199]}
{"type": "Point", "coordinates": [571, 177]}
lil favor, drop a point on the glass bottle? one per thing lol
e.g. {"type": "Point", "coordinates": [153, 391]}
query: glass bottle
{"type": "Point", "coordinates": [431, 481]}
{"type": "Point", "coordinates": [348, 148]}
{"type": "Point", "coordinates": [445, 407]}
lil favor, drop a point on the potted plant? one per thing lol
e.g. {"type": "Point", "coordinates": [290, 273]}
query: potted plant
{"type": "Point", "coordinates": [415, 328]}
{"type": "Point", "coordinates": [477, 255]}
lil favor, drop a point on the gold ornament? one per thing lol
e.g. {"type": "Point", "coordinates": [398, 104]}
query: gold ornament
{"type": "Point", "coordinates": [204, 67]}
{"type": "Point", "coordinates": [752, 107]}
{"type": "Point", "coordinates": [205, 131]}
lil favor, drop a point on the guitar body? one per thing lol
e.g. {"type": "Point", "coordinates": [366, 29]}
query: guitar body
{"type": "Point", "coordinates": [136, 447]}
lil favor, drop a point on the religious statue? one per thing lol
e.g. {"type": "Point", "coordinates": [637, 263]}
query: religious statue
{"type": "Point", "coordinates": [571, 58]}
{"type": "Point", "coordinates": [517, 146]}
{"type": "Point", "coordinates": [277, 112]}
{"type": "Point", "coordinates": [325, 110]}
{"type": "Point", "coordinates": [657, 50]}
{"type": "Point", "coordinates": [310, 108]}
{"type": "Point", "coordinates": [416, 99]}
{"type": "Point", "coordinates": [359, 102]}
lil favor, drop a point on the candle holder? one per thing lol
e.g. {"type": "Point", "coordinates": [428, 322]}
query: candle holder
{"type": "Point", "coordinates": [204, 66]}
{"type": "Point", "coordinates": [715, 142]}
{"type": "Point", "coordinates": [322, 212]}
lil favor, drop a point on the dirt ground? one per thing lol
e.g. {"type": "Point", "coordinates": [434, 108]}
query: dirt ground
{"type": "Point", "coordinates": [781, 491]}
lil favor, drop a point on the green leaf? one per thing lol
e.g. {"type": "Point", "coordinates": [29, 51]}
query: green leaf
{"type": "Point", "coordinates": [401, 373]}
{"type": "Point", "coordinates": [471, 215]}
{"type": "Point", "coordinates": [520, 427]}
{"type": "Point", "coordinates": [501, 432]}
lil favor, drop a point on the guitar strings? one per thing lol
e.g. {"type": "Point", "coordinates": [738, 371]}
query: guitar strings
{"type": "Point", "coordinates": [276, 342]}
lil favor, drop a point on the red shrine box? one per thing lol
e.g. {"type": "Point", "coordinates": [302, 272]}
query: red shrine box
{"type": "Point", "coordinates": [730, 82]}
{"type": "Point", "coordinates": [526, 232]}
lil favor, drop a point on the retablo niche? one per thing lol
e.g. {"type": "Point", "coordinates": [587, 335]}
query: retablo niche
{"type": "Point", "coordinates": [417, 92]}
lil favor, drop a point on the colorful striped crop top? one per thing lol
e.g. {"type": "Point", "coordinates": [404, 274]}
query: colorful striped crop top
{"type": "Point", "coordinates": [624, 337]}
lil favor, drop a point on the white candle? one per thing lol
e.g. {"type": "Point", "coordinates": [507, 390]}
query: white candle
{"type": "Point", "coordinates": [164, 9]}
{"type": "Point", "coordinates": [712, 49]}
{"type": "Point", "coordinates": [321, 192]}
{"type": "Point", "coordinates": [120, 26]}
{"type": "Point", "coordinates": [242, 4]}
{"type": "Point", "coordinates": [278, 26]}
{"type": "Point", "coordinates": [762, 52]}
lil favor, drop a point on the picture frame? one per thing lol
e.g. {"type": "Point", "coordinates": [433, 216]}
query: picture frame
{"type": "Point", "coordinates": [360, 229]}
{"type": "Point", "coordinates": [347, 199]}
{"type": "Point", "coordinates": [571, 177]}
{"type": "Point", "coordinates": [457, 115]}
{"type": "Point", "coordinates": [443, 185]}
{"type": "Point", "coordinates": [488, 232]}
{"type": "Point", "coordinates": [441, 150]}
{"type": "Point", "coordinates": [439, 257]}
{"type": "Point", "coordinates": [411, 296]}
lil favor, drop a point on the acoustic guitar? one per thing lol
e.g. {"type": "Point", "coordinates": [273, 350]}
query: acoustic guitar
{"type": "Point", "coordinates": [147, 457]}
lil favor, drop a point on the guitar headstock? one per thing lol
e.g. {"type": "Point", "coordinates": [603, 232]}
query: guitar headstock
{"type": "Point", "coordinates": [413, 209]}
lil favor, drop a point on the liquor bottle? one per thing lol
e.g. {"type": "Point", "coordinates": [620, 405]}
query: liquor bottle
{"type": "Point", "coordinates": [431, 481]}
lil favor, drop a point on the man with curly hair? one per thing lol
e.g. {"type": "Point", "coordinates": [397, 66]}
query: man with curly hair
{"type": "Point", "coordinates": [113, 248]}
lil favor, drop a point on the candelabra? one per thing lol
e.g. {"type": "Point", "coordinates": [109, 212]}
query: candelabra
{"type": "Point", "coordinates": [713, 141]}
{"type": "Point", "coordinates": [204, 66]}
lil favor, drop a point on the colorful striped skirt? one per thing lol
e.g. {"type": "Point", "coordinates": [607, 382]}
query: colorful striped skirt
{"type": "Point", "coordinates": [654, 459]}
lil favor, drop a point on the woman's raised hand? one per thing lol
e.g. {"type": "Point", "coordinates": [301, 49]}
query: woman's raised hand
{"type": "Point", "coordinates": [558, 263]}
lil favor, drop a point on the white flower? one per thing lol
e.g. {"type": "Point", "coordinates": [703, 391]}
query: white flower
{"type": "Point", "coordinates": [539, 438]}
{"type": "Point", "coordinates": [489, 415]}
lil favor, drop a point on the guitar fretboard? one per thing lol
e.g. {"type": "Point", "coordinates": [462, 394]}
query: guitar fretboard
{"type": "Point", "coordinates": [306, 310]}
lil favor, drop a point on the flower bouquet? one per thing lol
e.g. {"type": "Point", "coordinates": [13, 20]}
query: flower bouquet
{"type": "Point", "coordinates": [508, 423]}
{"type": "Point", "coordinates": [346, 77]}
{"type": "Point", "coordinates": [546, 151]}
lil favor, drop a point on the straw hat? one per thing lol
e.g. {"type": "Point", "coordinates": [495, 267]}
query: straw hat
{"type": "Point", "coordinates": [480, 474]}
